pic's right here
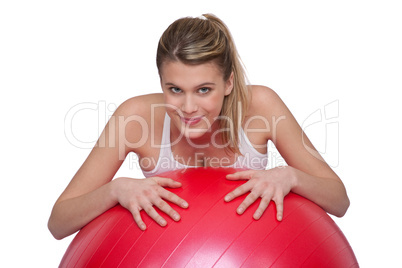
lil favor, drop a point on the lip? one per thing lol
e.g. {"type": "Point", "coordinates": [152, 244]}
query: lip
{"type": "Point", "coordinates": [191, 120]}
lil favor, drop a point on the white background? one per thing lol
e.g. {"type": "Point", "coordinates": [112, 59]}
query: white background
{"type": "Point", "coordinates": [55, 55]}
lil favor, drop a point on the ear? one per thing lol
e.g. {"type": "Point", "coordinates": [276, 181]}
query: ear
{"type": "Point", "coordinates": [229, 85]}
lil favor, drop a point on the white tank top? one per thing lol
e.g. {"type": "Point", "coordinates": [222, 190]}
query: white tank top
{"type": "Point", "coordinates": [250, 158]}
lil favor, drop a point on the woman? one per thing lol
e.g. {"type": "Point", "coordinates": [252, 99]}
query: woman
{"type": "Point", "coordinates": [206, 116]}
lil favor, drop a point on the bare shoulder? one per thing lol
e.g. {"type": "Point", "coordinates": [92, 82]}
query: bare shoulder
{"type": "Point", "coordinates": [136, 118]}
{"type": "Point", "coordinates": [260, 90]}
{"type": "Point", "coordinates": [265, 102]}
{"type": "Point", "coordinates": [142, 105]}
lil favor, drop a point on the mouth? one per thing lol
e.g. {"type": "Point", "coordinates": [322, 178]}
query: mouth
{"type": "Point", "coordinates": [191, 120]}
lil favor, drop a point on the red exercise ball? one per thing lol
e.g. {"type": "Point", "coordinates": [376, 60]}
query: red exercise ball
{"type": "Point", "coordinates": [211, 233]}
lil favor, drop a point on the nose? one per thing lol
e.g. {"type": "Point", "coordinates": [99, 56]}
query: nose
{"type": "Point", "coordinates": [189, 105]}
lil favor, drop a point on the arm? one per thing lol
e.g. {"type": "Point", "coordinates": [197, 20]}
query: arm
{"type": "Point", "coordinates": [307, 174]}
{"type": "Point", "coordinates": [89, 193]}
{"type": "Point", "coordinates": [314, 178]}
{"type": "Point", "coordinates": [327, 192]}
{"type": "Point", "coordinates": [71, 214]}
{"type": "Point", "coordinates": [92, 191]}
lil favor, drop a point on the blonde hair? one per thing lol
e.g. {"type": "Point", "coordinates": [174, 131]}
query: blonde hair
{"type": "Point", "coordinates": [199, 40]}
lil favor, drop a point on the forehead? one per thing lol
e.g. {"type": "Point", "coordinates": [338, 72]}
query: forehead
{"type": "Point", "coordinates": [178, 73]}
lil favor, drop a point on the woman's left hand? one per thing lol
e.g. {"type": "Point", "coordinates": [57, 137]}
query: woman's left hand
{"type": "Point", "coordinates": [273, 184]}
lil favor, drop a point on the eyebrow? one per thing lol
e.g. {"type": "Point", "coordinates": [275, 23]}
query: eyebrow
{"type": "Point", "coordinates": [201, 85]}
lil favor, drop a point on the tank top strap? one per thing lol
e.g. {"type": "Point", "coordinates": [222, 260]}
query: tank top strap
{"type": "Point", "coordinates": [250, 158]}
{"type": "Point", "coordinates": [165, 147]}
{"type": "Point", "coordinates": [165, 152]}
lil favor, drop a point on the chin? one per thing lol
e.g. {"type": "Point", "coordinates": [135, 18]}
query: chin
{"type": "Point", "coordinates": [199, 131]}
{"type": "Point", "coordinates": [194, 132]}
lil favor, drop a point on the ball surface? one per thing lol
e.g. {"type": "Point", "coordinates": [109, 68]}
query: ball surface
{"type": "Point", "coordinates": [211, 233]}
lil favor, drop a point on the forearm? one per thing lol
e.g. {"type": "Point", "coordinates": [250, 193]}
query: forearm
{"type": "Point", "coordinates": [70, 215]}
{"type": "Point", "coordinates": [328, 193]}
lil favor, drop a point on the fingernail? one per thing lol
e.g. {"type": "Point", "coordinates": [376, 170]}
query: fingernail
{"type": "Point", "coordinates": [184, 204]}
{"type": "Point", "coordinates": [227, 198]}
{"type": "Point", "coordinates": [257, 216]}
{"type": "Point", "coordinates": [176, 217]}
{"type": "Point", "coordinates": [162, 222]}
{"type": "Point", "coordinates": [240, 210]}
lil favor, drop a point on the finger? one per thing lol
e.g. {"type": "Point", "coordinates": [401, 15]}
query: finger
{"type": "Point", "coordinates": [279, 208]}
{"type": "Point", "coordinates": [250, 198]}
{"type": "Point", "coordinates": [137, 218]}
{"type": "Point", "coordinates": [167, 182]}
{"type": "Point", "coordinates": [163, 206]}
{"type": "Point", "coordinates": [262, 207]}
{"type": "Point", "coordinates": [241, 190]}
{"type": "Point", "coordinates": [149, 209]}
{"type": "Point", "coordinates": [171, 197]}
{"type": "Point", "coordinates": [241, 175]}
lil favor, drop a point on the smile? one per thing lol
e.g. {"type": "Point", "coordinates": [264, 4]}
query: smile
{"type": "Point", "coordinates": [192, 120]}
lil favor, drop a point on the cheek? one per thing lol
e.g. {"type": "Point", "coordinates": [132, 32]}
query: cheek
{"type": "Point", "coordinates": [215, 104]}
{"type": "Point", "coordinates": [171, 104]}
{"type": "Point", "coordinates": [212, 105]}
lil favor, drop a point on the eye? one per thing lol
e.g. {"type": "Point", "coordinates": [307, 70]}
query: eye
{"type": "Point", "coordinates": [175, 90]}
{"type": "Point", "coordinates": [204, 90]}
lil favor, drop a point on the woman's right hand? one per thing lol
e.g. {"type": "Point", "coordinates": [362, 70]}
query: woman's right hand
{"type": "Point", "coordinates": [138, 194]}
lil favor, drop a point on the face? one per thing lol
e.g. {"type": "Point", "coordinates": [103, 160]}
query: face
{"type": "Point", "coordinates": [194, 96]}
